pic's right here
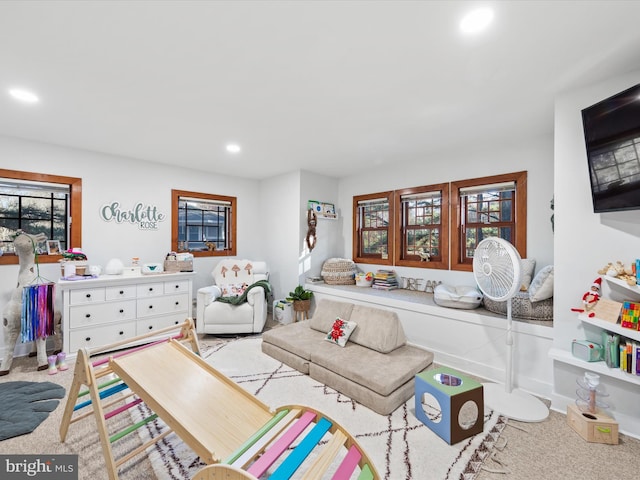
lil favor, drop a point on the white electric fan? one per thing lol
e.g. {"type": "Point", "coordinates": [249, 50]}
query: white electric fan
{"type": "Point", "coordinates": [496, 267]}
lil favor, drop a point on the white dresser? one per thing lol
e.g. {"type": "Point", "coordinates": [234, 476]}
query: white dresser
{"type": "Point", "coordinates": [111, 308]}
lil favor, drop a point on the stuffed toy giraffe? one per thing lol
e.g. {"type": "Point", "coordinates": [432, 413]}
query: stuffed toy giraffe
{"type": "Point", "coordinates": [25, 247]}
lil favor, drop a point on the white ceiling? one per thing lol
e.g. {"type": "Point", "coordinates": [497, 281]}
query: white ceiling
{"type": "Point", "coordinates": [326, 86]}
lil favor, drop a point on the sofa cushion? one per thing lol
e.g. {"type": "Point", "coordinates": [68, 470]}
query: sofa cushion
{"type": "Point", "coordinates": [296, 338]}
{"type": "Point", "coordinates": [378, 329]}
{"type": "Point", "coordinates": [382, 373]}
{"type": "Point", "coordinates": [326, 313]}
{"type": "Point", "coordinates": [340, 332]}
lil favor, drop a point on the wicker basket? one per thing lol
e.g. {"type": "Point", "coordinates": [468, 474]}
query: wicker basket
{"type": "Point", "coordinates": [301, 305]}
{"type": "Point", "coordinates": [339, 271]}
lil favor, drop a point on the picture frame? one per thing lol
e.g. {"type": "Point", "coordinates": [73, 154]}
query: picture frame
{"type": "Point", "coordinates": [53, 247]}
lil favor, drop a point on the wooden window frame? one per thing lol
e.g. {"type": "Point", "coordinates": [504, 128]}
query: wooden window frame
{"type": "Point", "coordinates": [442, 262]}
{"type": "Point", "coordinates": [520, 212]}
{"type": "Point", "coordinates": [175, 197]}
{"type": "Point", "coordinates": [378, 260]}
{"type": "Point", "coordinates": [74, 216]}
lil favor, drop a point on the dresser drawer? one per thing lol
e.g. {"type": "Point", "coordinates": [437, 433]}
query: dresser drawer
{"type": "Point", "coordinates": [95, 314]}
{"type": "Point", "coordinates": [156, 323]}
{"type": "Point", "coordinates": [102, 335]}
{"type": "Point", "coordinates": [121, 293]}
{"type": "Point", "coordinates": [148, 307]}
{"type": "Point", "coordinates": [150, 290]}
{"type": "Point", "coordinates": [87, 295]}
{"type": "Point", "coordinates": [179, 286]}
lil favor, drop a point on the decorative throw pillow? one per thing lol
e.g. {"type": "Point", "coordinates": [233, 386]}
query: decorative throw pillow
{"type": "Point", "coordinates": [528, 266]}
{"type": "Point", "coordinates": [233, 289]}
{"type": "Point", "coordinates": [542, 286]}
{"type": "Point", "coordinates": [340, 331]}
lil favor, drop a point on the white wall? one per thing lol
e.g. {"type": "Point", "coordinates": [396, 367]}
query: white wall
{"type": "Point", "coordinates": [329, 242]}
{"type": "Point", "coordinates": [280, 211]}
{"type": "Point", "coordinates": [535, 156]}
{"type": "Point", "coordinates": [586, 241]}
{"type": "Point", "coordinates": [109, 178]}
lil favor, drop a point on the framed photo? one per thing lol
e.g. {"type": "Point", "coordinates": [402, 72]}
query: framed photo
{"type": "Point", "coordinates": [53, 247]}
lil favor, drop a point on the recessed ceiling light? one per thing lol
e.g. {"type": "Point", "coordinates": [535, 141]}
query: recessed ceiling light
{"type": "Point", "coordinates": [233, 148]}
{"type": "Point", "coordinates": [24, 95]}
{"type": "Point", "coordinates": [476, 21]}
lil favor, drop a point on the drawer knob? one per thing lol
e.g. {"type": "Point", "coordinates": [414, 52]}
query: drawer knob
{"type": "Point", "coordinates": [151, 289]}
{"type": "Point", "coordinates": [150, 327]}
{"type": "Point", "coordinates": [121, 292]}
{"type": "Point", "coordinates": [150, 307]}
{"type": "Point", "coordinates": [177, 286]}
{"type": "Point", "coordinates": [88, 339]}
{"type": "Point", "coordinates": [88, 295]}
{"type": "Point", "coordinates": [88, 315]}
{"type": "Point", "coordinates": [121, 332]}
{"type": "Point", "coordinates": [121, 311]}
{"type": "Point", "coordinates": [177, 303]}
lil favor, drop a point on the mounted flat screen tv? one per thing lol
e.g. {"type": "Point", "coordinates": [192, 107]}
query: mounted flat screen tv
{"type": "Point", "coordinates": [612, 137]}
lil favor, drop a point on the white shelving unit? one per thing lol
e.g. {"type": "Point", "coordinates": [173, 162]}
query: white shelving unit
{"type": "Point", "coordinates": [622, 387]}
{"type": "Point", "coordinates": [631, 292]}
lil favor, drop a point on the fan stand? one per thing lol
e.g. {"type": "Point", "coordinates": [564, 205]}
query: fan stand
{"type": "Point", "coordinates": [513, 403]}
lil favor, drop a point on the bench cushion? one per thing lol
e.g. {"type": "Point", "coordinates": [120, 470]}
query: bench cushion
{"type": "Point", "coordinates": [378, 329]}
{"type": "Point", "coordinates": [296, 338]}
{"type": "Point", "coordinates": [381, 372]}
{"type": "Point", "coordinates": [326, 313]}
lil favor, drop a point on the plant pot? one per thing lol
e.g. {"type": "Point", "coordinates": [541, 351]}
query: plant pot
{"type": "Point", "coordinates": [301, 305]}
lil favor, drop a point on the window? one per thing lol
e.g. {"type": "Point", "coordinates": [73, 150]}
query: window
{"type": "Point", "coordinates": [39, 203]}
{"type": "Point", "coordinates": [422, 226]}
{"type": "Point", "coordinates": [488, 207]}
{"type": "Point", "coordinates": [373, 228]}
{"type": "Point", "coordinates": [203, 224]}
{"type": "Point", "coordinates": [440, 226]}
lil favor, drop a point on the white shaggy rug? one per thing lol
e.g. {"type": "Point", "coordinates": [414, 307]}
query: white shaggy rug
{"type": "Point", "coordinates": [400, 446]}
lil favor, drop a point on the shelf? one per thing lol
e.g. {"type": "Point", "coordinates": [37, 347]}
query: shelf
{"type": "Point", "coordinates": [597, 367]}
{"type": "Point", "coordinates": [622, 287]}
{"type": "Point", "coordinates": [610, 327]}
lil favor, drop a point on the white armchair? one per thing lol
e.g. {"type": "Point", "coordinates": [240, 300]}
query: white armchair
{"type": "Point", "coordinates": [230, 276]}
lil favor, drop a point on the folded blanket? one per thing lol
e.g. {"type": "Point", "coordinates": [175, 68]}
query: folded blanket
{"type": "Point", "coordinates": [243, 298]}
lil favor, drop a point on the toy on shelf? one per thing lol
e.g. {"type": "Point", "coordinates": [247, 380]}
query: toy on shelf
{"type": "Point", "coordinates": [584, 417]}
{"type": "Point", "coordinates": [588, 393]}
{"type": "Point", "coordinates": [590, 298]}
{"type": "Point", "coordinates": [619, 270]}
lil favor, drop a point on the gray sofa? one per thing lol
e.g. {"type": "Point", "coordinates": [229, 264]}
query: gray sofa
{"type": "Point", "coordinates": [376, 367]}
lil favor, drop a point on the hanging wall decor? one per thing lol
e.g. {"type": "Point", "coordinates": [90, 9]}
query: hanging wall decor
{"type": "Point", "coordinates": [146, 217]}
{"type": "Point", "coordinates": [312, 222]}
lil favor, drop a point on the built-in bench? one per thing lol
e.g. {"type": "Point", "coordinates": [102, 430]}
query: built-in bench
{"type": "Point", "coordinates": [472, 341]}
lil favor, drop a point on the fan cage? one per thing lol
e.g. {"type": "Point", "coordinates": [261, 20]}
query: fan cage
{"type": "Point", "coordinates": [496, 268]}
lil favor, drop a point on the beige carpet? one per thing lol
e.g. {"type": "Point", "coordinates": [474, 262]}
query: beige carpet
{"type": "Point", "coordinates": [399, 445]}
{"type": "Point", "coordinates": [547, 450]}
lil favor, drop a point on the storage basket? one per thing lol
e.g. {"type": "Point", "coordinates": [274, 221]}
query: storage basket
{"type": "Point", "coordinates": [301, 305]}
{"type": "Point", "coordinates": [339, 271]}
{"type": "Point", "coordinates": [178, 265]}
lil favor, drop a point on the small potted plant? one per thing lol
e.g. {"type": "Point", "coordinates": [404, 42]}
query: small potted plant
{"type": "Point", "coordinates": [301, 299]}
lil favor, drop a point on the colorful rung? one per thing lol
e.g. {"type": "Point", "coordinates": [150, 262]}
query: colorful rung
{"type": "Point", "coordinates": [268, 448]}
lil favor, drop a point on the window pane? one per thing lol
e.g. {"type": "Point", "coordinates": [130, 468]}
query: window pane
{"type": "Point", "coordinates": [203, 225]}
{"type": "Point", "coordinates": [374, 242]}
{"type": "Point", "coordinates": [36, 207]}
{"type": "Point", "coordinates": [9, 204]}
